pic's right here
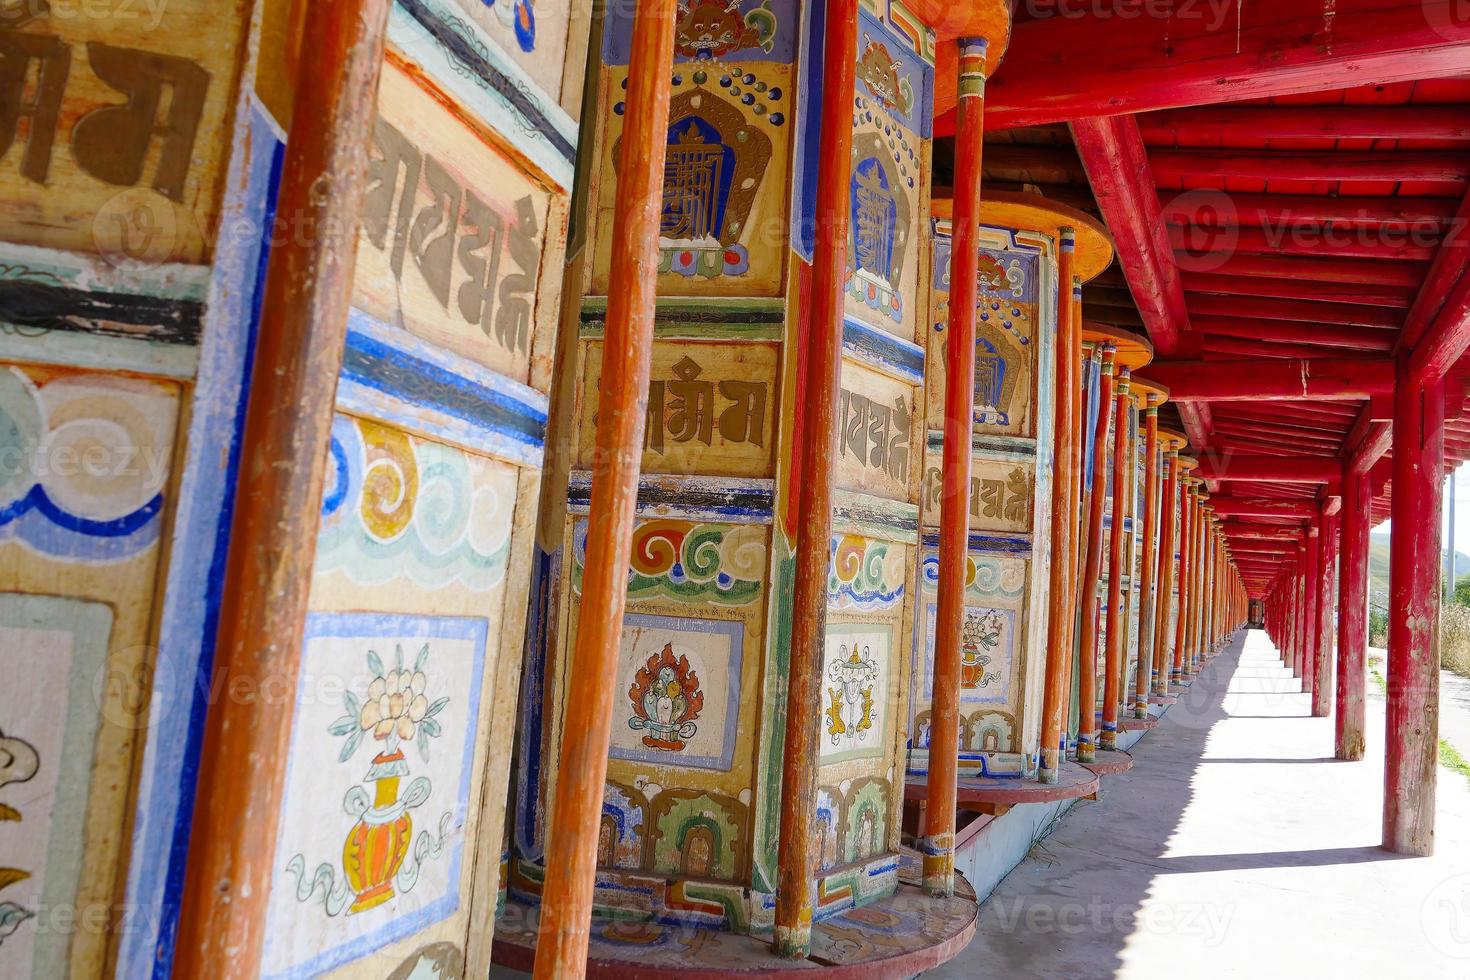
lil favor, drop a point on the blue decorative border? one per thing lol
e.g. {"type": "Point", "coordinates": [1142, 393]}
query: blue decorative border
{"type": "Point", "coordinates": [190, 613]}
{"type": "Point", "coordinates": [892, 355]}
{"type": "Point", "coordinates": [735, 630]}
{"type": "Point", "coordinates": [371, 626]}
{"type": "Point", "coordinates": [389, 374]}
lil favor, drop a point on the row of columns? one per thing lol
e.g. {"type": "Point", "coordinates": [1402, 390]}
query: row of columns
{"type": "Point", "coordinates": [1330, 569]}
{"type": "Point", "coordinates": [1181, 544]}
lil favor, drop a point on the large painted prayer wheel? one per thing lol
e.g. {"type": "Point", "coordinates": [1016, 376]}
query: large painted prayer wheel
{"type": "Point", "coordinates": [150, 165]}
{"type": "Point", "coordinates": [1011, 482]}
{"type": "Point", "coordinates": [688, 833]}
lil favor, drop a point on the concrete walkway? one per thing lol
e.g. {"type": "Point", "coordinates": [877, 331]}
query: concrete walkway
{"type": "Point", "coordinates": [1236, 847]}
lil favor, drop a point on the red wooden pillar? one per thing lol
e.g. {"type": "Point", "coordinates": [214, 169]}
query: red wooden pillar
{"type": "Point", "coordinates": [1148, 577]}
{"type": "Point", "coordinates": [1412, 741]}
{"type": "Point", "coordinates": [571, 841]}
{"type": "Point", "coordinates": [1322, 662]}
{"type": "Point", "coordinates": [1092, 568]}
{"type": "Point", "coordinates": [1063, 595]}
{"type": "Point", "coordinates": [232, 861]}
{"type": "Point", "coordinates": [954, 505]}
{"type": "Point", "coordinates": [1310, 593]}
{"type": "Point", "coordinates": [1117, 627]}
{"type": "Point", "coordinates": [1166, 569]}
{"type": "Point", "coordinates": [797, 852]}
{"type": "Point", "coordinates": [1352, 615]}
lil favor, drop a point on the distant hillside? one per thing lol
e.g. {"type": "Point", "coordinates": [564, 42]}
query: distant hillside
{"type": "Point", "coordinates": [1378, 568]}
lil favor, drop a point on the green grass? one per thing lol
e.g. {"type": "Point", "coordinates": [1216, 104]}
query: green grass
{"type": "Point", "coordinates": [1450, 758]}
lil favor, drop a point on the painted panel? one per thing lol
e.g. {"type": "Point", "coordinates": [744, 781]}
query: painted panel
{"type": "Point", "coordinates": [890, 125]}
{"type": "Point", "coordinates": [115, 125]}
{"type": "Point", "coordinates": [399, 507]}
{"type": "Point", "coordinates": [453, 232]}
{"type": "Point", "coordinates": [875, 433]}
{"type": "Point", "coordinates": [376, 867]}
{"type": "Point", "coordinates": [55, 649]}
{"type": "Point", "coordinates": [710, 408]}
{"type": "Point", "coordinates": [1005, 331]}
{"type": "Point", "coordinates": [858, 673]}
{"type": "Point", "coordinates": [682, 678]}
{"type": "Point", "coordinates": [724, 201]}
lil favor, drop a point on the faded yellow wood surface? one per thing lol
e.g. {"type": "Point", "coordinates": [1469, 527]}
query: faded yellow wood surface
{"type": "Point", "coordinates": [118, 125]}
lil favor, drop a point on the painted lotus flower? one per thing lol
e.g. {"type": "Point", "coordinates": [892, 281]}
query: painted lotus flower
{"type": "Point", "coordinates": [396, 709]}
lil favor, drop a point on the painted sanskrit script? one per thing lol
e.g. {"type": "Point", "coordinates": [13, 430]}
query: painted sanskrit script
{"type": "Point", "coordinates": [683, 409]}
{"type": "Point", "coordinates": [164, 104]}
{"type": "Point", "coordinates": [477, 261]}
{"type": "Point", "coordinates": [999, 500]}
{"type": "Point", "coordinates": [878, 435]}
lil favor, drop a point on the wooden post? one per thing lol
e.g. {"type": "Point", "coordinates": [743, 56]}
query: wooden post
{"type": "Point", "coordinates": [1164, 604]}
{"type": "Point", "coordinates": [1322, 652]}
{"type": "Point", "coordinates": [1062, 599]}
{"type": "Point", "coordinates": [1352, 616]}
{"type": "Point", "coordinates": [1117, 626]}
{"type": "Point", "coordinates": [1310, 593]}
{"type": "Point", "coordinates": [954, 504]}
{"type": "Point", "coordinates": [1176, 672]}
{"type": "Point", "coordinates": [1150, 559]}
{"type": "Point", "coordinates": [797, 852]}
{"type": "Point", "coordinates": [1413, 620]}
{"type": "Point", "coordinates": [1092, 569]}
{"type": "Point", "coordinates": [571, 840]}
{"type": "Point", "coordinates": [1130, 555]}
{"type": "Point", "coordinates": [232, 858]}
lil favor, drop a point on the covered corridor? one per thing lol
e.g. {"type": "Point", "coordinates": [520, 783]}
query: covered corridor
{"type": "Point", "coordinates": [1235, 840]}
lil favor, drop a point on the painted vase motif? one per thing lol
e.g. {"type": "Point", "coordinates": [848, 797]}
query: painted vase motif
{"type": "Point", "coordinates": [980, 635]}
{"type": "Point", "coordinates": [375, 853]}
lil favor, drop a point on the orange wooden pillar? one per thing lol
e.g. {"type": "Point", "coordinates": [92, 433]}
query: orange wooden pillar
{"type": "Point", "coordinates": [1062, 598]}
{"type": "Point", "coordinates": [1352, 616]}
{"type": "Point", "coordinates": [1117, 625]}
{"type": "Point", "coordinates": [303, 322]}
{"type": "Point", "coordinates": [571, 841]}
{"type": "Point", "coordinates": [1169, 520]}
{"type": "Point", "coordinates": [1412, 740]}
{"type": "Point", "coordinates": [1310, 594]}
{"type": "Point", "coordinates": [797, 851]}
{"type": "Point", "coordinates": [1184, 465]}
{"type": "Point", "coordinates": [1087, 722]}
{"type": "Point", "coordinates": [1197, 586]}
{"type": "Point", "coordinates": [954, 513]}
{"type": "Point", "coordinates": [1152, 398]}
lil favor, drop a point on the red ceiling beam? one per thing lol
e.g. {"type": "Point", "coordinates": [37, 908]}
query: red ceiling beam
{"type": "Point", "coordinates": [1402, 245]}
{"type": "Point", "coordinates": [1348, 271]}
{"type": "Point", "coordinates": [1432, 165]}
{"type": "Point", "coordinates": [1229, 123]}
{"type": "Point", "coordinates": [1447, 269]}
{"type": "Point", "coordinates": [1304, 311]}
{"type": "Point", "coordinates": [1284, 331]}
{"type": "Point", "coordinates": [1447, 338]}
{"type": "Point", "coordinates": [1285, 210]}
{"type": "Point", "coordinates": [1068, 67]}
{"type": "Point", "coordinates": [1279, 469]}
{"type": "Point", "coordinates": [1389, 297]}
{"type": "Point", "coordinates": [1246, 380]}
{"type": "Point", "coordinates": [1116, 162]}
{"type": "Point", "coordinates": [1216, 349]}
